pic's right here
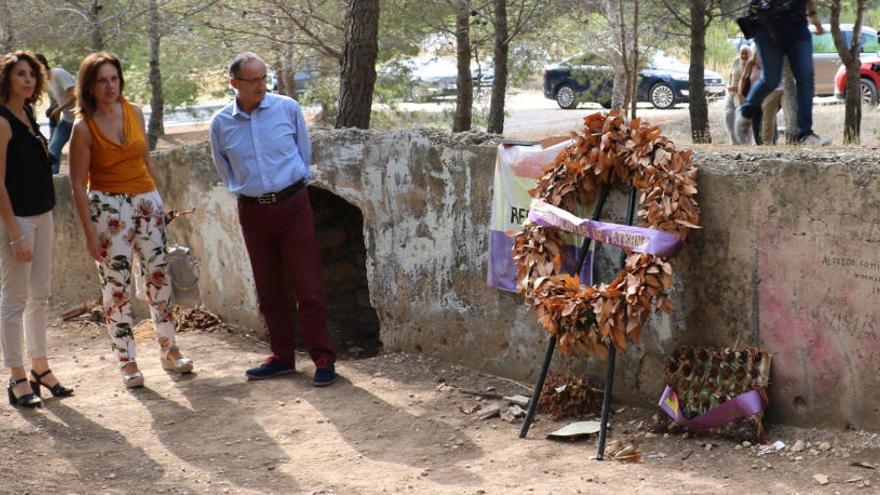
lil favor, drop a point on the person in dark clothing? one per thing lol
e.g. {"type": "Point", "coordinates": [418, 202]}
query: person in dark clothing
{"type": "Point", "coordinates": [788, 37]}
{"type": "Point", "coordinates": [27, 197]}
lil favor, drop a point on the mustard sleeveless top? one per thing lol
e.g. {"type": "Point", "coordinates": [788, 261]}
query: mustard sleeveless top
{"type": "Point", "coordinates": [120, 167]}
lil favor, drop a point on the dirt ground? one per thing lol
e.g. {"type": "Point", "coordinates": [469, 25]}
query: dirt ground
{"type": "Point", "coordinates": [183, 134]}
{"type": "Point", "coordinates": [391, 424]}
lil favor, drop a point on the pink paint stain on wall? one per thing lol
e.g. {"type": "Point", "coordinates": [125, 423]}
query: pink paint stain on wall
{"type": "Point", "coordinates": [818, 312]}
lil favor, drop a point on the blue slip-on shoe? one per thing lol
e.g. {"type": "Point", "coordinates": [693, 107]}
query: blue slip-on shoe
{"type": "Point", "coordinates": [324, 375]}
{"type": "Point", "coordinates": [269, 368]}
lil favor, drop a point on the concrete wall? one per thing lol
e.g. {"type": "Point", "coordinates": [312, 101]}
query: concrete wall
{"type": "Point", "coordinates": [74, 276]}
{"type": "Point", "coordinates": [789, 260]}
{"type": "Point", "coordinates": [786, 260]}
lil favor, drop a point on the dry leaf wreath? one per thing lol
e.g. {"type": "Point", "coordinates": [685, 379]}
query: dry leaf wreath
{"type": "Point", "coordinates": [585, 318]}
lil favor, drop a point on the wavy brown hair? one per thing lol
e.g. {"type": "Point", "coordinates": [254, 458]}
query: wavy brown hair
{"type": "Point", "coordinates": [7, 64]}
{"type": "Point", "coordinates": [88, 75]}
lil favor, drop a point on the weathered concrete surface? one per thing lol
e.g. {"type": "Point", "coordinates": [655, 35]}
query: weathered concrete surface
{"type": "Point", "coordinates": [785, 261]}
{"type": "Point", "coordinates": [788, 260]}
{"type": "Point", "coordinates": [74, 275]}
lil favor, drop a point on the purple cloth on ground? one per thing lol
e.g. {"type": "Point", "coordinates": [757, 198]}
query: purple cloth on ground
{"type": "Point", "coordinates": [745, 404]}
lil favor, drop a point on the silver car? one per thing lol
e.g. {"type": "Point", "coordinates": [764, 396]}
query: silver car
{"type": "Point", "coordinates": [825, 57]}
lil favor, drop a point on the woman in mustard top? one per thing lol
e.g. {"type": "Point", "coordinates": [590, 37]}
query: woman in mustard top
{"type": "Point", "coordinates": [121, 213]}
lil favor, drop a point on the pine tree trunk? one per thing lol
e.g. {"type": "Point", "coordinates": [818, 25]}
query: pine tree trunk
{"type": "Point", "coordinates": [789, 104]}
{"type": "Point", "coordinates": [618, 87]}
{"type": "Point", "coordinates": [624, 60]}
{"type": "Point", "coordinates": [849, 55]}
{"type": "Point", "coordinates": [499, 85]}
{"type": "Point", "coordinates": [619, 81]}
{"type": "Point", "coordinates": [464, 101]}
{"type": "Point", "coordinates": [156, 127]}
{"type": "Point", "coordinates": [286, 79]}
{"type": "Point", "coordinates": [634, 76]}
{"type": "Point", "coordinates": [358, 75]}
{"type": "Point", "coordinates": [852, 121]}
{"type": "Point", "coordinates": [7, 37]}
{"type": "Point", "coordinates": [288, 73]}
{"type": "Point", "coordinates": [281, 82]}
{"type": "Point", "coordinates": [281, 67]}
{"type": "Point", "coordinates": [94, 16]}
{"type": "Point", "coordinates": [698, 107]}
{"type": "Point", "coordinates": [286, 85]}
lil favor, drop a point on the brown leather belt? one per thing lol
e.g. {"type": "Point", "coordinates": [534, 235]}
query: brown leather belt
{"type": "Point", "coordinates": [270, 198]}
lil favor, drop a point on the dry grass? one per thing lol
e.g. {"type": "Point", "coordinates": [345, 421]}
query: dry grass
{"type": "Point", "coordinates": [827, 121]}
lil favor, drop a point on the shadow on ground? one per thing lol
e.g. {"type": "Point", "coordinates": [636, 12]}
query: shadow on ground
{"type": "Point", "coordinates": [107, 457]}
{"type": "Point", "coordinates": [246, 457]}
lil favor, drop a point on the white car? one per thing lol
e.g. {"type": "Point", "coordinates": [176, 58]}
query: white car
{"type": "Point", "coordinates": [436, 76]}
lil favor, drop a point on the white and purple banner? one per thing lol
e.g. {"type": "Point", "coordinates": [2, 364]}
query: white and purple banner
{"type": "Point", "coordinates": [636, 239]}
{"type": "Point", "coordinates": [517, 170]}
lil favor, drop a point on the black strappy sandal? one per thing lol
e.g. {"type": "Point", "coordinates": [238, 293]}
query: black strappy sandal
{"type": "Point", "coordinates": [58, 390]}
{"type": "Point", "coordinates": [26, 400]}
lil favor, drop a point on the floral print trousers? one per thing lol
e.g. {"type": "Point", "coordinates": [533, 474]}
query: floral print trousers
{"type": "Point", "coordinates": [128, 225]}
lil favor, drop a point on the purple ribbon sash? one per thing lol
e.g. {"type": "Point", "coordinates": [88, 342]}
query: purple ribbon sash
{"type": "Point", "coordinates": [637, 239]}
{"type": "Point", "coordinates": [745, 404]}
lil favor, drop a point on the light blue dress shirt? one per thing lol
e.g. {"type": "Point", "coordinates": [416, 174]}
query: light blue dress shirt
{"type": "Point", "coordinates": [264, 151]}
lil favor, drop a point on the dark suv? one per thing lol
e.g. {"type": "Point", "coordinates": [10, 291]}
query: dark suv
{"type": "Point", "coordinates": [589, 78]}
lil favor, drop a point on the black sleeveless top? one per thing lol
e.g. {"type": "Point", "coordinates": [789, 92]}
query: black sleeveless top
{"type": "Point", "coordinates": [28, 168]}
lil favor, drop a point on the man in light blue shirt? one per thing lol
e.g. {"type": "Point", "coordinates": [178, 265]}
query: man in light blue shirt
{"type": "Point", "coordinates": [262, 153]}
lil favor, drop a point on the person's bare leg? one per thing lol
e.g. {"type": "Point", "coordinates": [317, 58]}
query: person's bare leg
{"type": "Point", "coordinates": [40, 365]}
{"type": "Point", "coordinates": [130, 368]}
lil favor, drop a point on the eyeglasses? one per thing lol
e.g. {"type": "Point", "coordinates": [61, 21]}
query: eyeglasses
{"type": "Point", "coordinates": [254, 81]}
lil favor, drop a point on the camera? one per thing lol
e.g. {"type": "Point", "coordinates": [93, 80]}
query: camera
{"type": "Point", "coordinates": [762, 16]}
{"type": "Point", "coordinates": [749, 26]}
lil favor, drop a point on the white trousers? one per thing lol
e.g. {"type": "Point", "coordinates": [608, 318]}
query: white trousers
{"type": "Point", "coordinates": [25, 291]}
{"type": "Point", "coordinates": [130, 225]}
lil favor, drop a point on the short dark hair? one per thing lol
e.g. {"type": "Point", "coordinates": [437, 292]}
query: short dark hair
{"type": "Point", "coordinates": [7, 63]}
{"type": "Point", "coordinates": [241, 59]}
{"type": "Point", "coordinates": [88, 75]}
{"type": "Point", "coordinates": [43, 60]}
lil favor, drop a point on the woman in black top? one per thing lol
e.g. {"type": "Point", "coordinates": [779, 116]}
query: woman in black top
{"type": "Point", "coordinates": [26, 200]}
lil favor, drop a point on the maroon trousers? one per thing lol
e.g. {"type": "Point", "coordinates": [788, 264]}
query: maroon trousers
{"type": "Point", "coordinates": [280, 239]}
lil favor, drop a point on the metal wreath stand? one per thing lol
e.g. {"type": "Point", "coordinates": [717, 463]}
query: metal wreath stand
{"type": "Point", "coordinates": [612, 351]}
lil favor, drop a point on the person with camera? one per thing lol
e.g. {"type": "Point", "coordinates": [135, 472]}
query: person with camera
{"type": "Point", "coordinates": [779, 28]}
